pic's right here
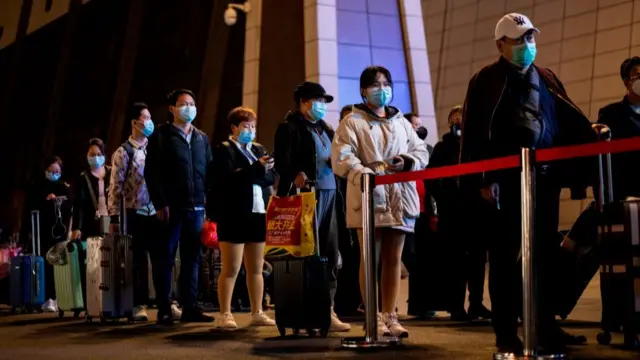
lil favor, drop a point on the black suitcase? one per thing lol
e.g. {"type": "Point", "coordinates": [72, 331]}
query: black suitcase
{"type": "Point", "coordinates": [301, 292]}
{"type": "Point", "coordinates": [620, 274]}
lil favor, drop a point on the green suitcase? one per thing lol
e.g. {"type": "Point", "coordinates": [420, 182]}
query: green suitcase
{"type": "Point", "coordinates": [69, 279]}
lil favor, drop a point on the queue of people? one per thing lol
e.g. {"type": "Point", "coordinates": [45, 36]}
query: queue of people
{"type": "Point", "coordinates": [171, 179]}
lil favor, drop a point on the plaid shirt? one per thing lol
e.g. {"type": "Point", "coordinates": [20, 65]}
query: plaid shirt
{"type": "Point", "coordinates": [131, 181]}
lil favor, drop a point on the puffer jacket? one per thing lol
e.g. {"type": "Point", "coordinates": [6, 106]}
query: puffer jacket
{"type": "Point", "coordinates": [364, 138]}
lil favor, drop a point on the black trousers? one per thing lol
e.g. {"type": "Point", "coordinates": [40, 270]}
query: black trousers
{"type": "Point", "coordinates": [144, 231]}
{"type": "Point", "coordinates": [505, 274]}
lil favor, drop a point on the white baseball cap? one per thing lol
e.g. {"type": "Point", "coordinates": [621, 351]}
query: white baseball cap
{"type": "Point", "coordinates": [513, 26]}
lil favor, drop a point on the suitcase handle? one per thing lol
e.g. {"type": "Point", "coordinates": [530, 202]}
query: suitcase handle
{"type": "Point", "coordinates": [35, 231]}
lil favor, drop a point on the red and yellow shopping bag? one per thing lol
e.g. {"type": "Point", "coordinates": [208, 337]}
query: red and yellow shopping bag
{"type": "Point", "coordinates": [290, 225]}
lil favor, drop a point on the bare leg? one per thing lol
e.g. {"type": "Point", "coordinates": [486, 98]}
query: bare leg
{"type": "Point", "coordinates": [231, 256]}
{"type": "Point", "coordinates": [253, 263]}
{"type": "Point", "coordinates": [392, 244]}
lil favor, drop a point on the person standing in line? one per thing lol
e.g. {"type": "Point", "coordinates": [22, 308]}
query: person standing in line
{"type": "Point", "coordinates": [513, 104]}
{"type": "Point", "coordinates": [178, 156]}
{"type": "Point", "coordinates": [376, 139]}
{"type": "Point", "coordinates": [50, 195]}
{"type": "Point", "coordinates": [240, 193]}
{"type": "Point", "coordinates": [127, 179]}
{"type": "Point", "coordinates": [623, 118]}
{"type": "Point", "coordinates": [452, 209]}
{"type": "Point", "coordinates": [302, 155]}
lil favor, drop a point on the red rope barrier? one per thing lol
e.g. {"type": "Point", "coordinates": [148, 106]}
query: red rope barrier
{"type": "Point", "coordinates": [513, 161]}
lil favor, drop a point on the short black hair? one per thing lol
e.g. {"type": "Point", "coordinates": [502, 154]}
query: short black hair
{"type": "Point", "coordinates": [369, 75]}
{"type": "Point", "coordinates": [50, 160]}
{"type": "Point", "coordinates": [99, 143]}
{"type": "Point", "coordinates": [410, 115]}
{"type": "Point", "coordinates": [627, 66]}
{"type": "Point", "coordinates": [134, 110]}
{"type": "Point", "coordinates": [240, 114]}
{"type": "Point", "coordinates": [173, 96]}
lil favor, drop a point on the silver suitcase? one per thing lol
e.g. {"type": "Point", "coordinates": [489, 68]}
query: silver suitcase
{"type": "Point", "coordinates": [109, 278]}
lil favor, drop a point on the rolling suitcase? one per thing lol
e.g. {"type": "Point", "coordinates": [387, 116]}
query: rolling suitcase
{"type": "Point", "coordinates": [27, 274]}
{"type": "Point", "coordinates": [301, 290]}
{"type": "Point", "coordinates": [620, 274]}
{"type": "Point", "coordinates": [70, 279]}
{"type": "Point", "coordinates": [619, 240]}
{"type": "Point", "coordinates": [110, 276]}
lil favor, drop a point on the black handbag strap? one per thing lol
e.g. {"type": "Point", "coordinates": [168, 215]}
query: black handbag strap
{"type": "Point", "coordinates": [93, 194]}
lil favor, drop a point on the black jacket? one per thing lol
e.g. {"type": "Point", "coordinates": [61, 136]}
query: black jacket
{"type": "Point", "coordinates": [176, 171]}
{"type": "Point", "coordinates": [295, 150]}
{"type": "Point", "coordinates": [84, 210]}
{"type": "Point", "coordinates": [488, 110]}
{"type": "Point", "coordinates": [624, 123]}
{"type": "Point", "coordinates": [231, 190]}
{"type": "Point", "coordinates": [53, 229]}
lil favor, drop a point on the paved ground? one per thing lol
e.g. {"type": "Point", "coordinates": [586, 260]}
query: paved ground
{"type": "Point", "coordinates": [45, 337]}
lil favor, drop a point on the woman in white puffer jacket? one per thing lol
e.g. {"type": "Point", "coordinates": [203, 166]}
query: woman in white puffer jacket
{"type": "Point", "coordinates": [375, 138]}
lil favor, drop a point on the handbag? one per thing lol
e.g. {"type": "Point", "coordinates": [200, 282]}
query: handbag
{"type": "Point", "coordinates": [103, 221]}
{"type": "Point", "coordinates": [290, 228]}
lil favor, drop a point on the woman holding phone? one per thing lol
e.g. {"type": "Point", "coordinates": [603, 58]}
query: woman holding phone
{"type": "Point", "coordinates": [240, 191]}
{"type": "Point", "coordinates": [375, 138]}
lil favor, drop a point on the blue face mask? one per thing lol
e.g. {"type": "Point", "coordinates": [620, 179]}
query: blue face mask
{"type": "Point", "coordinates": [246, 136]}
{"type": "Point", "coordinates": [380, 96]}
{"type": "Point", "coordinates": [148, 128]}
{"type": "Point", "coordinates": [523, 55]}
{"type": "Point", "coordinates": [317, 111]}
{"type": "Point", "coordinates": [51, 176]}
{"type": "Point", "coordinates": [95, 162]}
{"type": "Point", "coordinates": [187, 113]}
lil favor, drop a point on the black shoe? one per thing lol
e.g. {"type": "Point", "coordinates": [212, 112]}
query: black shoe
{"type": "Point", "coordinates": [557, 340]}
{"type": "Point", "coordinates": [460, 315]}
{"type": "Point", "coordinates": [195, 316]}
{"type": "Point", "coordinates": [509, 344]}
{"type": "Point", "coordinates": [164, 319]}
{"type": "Point", "coordinates": [479, 312]}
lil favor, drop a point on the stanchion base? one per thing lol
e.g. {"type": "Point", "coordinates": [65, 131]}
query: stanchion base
{"type": "Point", "coordinates": [512, 356]}
{"type": "Point", "coordinates": [362, 343]}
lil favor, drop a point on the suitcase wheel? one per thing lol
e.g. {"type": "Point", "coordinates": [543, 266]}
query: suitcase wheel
{"type": "Point", "coordinates": [103, 320]}
{"type": "Point", "coordinates": [130, 320]}
{"type": "Point", "coordinates": [76, 314]}
{"type": "Point", "coordinates": [311, 332]}
{"type": "Point", "coordinates": [28, 309]}
{"type": "Point", "coordinates": [296, 331]}
{"type": "Point", "coordinates": [60, 314]}
{"type": "Point", "coordinates": [14, 310]}
{"type": "Point", "coordinates": [324, 332]}
{"type": "Point", "coordinates": [283, 331]}
{"type": "Point", "coordinates": [604, 338]}
{"type": "Point", "coordinates": [88, 319]}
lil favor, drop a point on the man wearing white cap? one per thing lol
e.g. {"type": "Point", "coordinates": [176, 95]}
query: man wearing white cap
{"type": "Point", "coordinates": [511, 104]}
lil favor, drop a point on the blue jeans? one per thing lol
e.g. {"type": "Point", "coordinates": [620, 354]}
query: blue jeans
{"type": "Point", "coordinates": [184, 229]}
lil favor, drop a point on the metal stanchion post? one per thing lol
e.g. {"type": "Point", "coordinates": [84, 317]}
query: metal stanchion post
{"type": "Point", "coordinates": [371, 338]}
{"type": "Point", "coordinates": [527, 198]}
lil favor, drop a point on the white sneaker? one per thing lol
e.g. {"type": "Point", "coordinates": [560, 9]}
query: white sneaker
{"type": "Point", "coordinates": [226, 321]}
{"type": "Point", "coordinates": [176, 312]}
{"type": "Point", "coordinates": [50, 306]}
{"type": "Point", "coordinates": [336, 324]}
{"type": "Point", "coordinates": [140, 313]}
{"type": "Point", "coordinates": [261, 319]}
{"type": "Point", "coordinates": [391, 321]}
{"type": "Point", "coordinates": [383, 330]}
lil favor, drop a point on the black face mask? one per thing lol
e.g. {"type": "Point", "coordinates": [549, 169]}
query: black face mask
{"type": "Point", "coordinates": [422, 132]}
